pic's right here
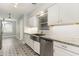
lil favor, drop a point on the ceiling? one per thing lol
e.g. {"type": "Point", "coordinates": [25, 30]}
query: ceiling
{"type": "Point", "coordinates": [16, 12]}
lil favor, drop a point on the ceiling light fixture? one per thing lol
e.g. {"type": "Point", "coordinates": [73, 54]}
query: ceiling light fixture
{"type": "Point", "coordinates": [34, 3]}
{"type": "Point", "coordinates": [41, 12]}
{"type": "Point", "coordinates": [15, 5]}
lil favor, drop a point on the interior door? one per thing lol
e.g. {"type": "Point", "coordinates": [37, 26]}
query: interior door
{"type": "Point", "coordinates": [0, 34]}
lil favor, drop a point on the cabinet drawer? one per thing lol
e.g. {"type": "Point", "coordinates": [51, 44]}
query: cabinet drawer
{"type": "Point", "coordinates": [72, 49]}
{"type": "Point", "coordinates": [60, 44]}
{"type": "Point", "coordinates": [58, 51]}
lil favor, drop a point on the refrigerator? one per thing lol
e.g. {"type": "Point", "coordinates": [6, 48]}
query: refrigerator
{"type": "Point", "coordinates": [0, 34]}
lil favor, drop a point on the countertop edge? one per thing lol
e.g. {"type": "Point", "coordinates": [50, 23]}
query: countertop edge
{"type": "Point", "coordinates": [51, 39]}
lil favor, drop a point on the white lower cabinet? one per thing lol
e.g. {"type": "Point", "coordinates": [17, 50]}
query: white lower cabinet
{"type": "Point", "coordinates": [61, 49]}
{"type": "Point", "coordinates": [37, 47]}
{"type": "Point", "coordinates": [31, 44]}
{"type": "Point", "coordinates": [26, 38]}
{"type": "Point", "coordinates": [60, 52]}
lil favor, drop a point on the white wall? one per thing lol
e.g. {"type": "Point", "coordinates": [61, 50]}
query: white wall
{"type": "Point", "coordinates": [20, 28]}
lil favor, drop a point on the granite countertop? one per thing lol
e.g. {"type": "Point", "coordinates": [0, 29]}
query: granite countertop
{"type": "Point", "coordinates": [69, 42]}
{"type": "Point", "coordinates": [73, 42]}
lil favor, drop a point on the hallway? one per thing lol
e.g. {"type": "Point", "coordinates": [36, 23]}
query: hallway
{"type": "Point", "coordinates": [14, 47]}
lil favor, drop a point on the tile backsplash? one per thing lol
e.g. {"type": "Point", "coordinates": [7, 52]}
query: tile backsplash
{"type": "Point", "coordinates": [65, 32]}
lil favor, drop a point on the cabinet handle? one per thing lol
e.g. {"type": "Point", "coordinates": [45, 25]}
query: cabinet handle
{"type": "Point", "coordinates": [64, 46]}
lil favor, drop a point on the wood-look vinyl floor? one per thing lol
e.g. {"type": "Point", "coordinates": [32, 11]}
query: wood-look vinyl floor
{"type": "Point", "coordinates": [14, 47]}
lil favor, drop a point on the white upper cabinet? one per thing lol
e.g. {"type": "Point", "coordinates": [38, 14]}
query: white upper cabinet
{"type": "Point", "coordinates": [69, 13]}
{"type": "Point", "coordinates": [64, 13]}
{"type": "Point", "coordinates": [53, 15]}
{"type": "Point", "coordinates": [33, 21]}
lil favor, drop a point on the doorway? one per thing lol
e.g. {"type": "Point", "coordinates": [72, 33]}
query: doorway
{"type": "Point", "coordinates": [8, 28]}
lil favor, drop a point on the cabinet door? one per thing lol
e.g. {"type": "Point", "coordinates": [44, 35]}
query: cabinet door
{"type": "Point", "coordinates": [27, 39]}
{"type": "Point", "coordinates": [53, 15]}
{"type": "Point", "coordinates": [31, 43]}
{"type": "Point", "coordinates": [33, 21]}
{"type": "Point", "coordinates": [37, 47]}
{"type": "Point", "coordinates": [69, 13]}
{"type": "Point", "coordinates": [59, 51]}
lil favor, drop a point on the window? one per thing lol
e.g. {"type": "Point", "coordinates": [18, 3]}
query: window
{"type": "Point", "coordinates": [7, 27]}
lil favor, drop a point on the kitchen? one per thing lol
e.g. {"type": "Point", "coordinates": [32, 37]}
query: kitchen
{"type": "Point", "coordinates": [48, 29]}
{"type": "Point", "coordinates": [52, 30]}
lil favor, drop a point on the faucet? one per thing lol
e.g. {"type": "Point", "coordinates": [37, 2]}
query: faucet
{"type": "Point", "coordinates": [41, 32]}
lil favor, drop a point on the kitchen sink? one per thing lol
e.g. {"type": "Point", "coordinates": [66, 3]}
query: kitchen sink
{"type": "Point", "coordinates": [39, 34]}
{"type": "Point", "coordinates": [36, 37]}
